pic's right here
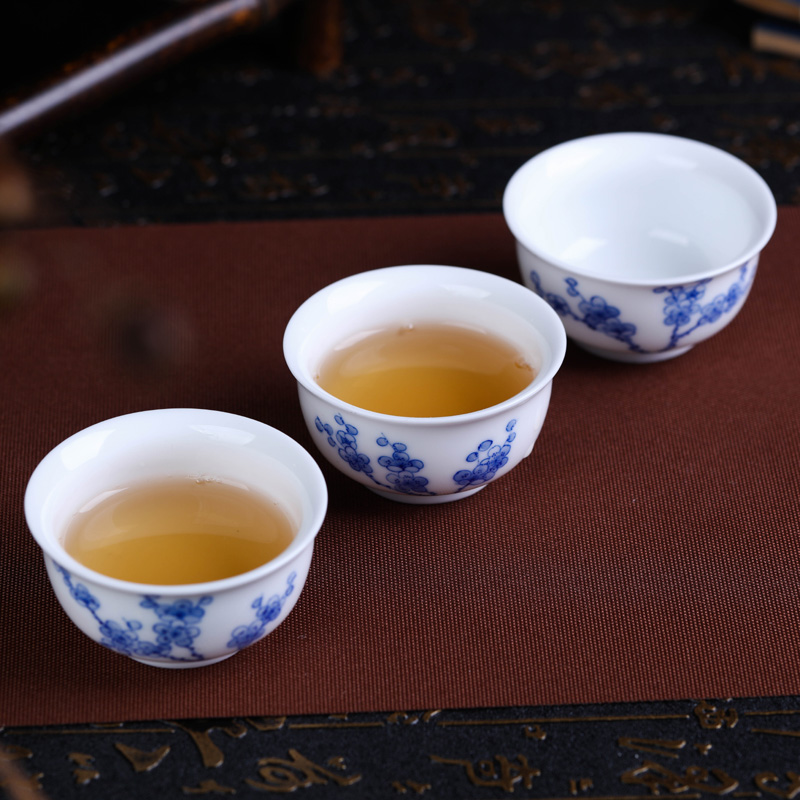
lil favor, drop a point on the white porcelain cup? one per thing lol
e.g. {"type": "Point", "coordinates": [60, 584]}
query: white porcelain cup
{"type": "Point", "coordinates": [645, 244]}
{"type": "Point", "coordinates": [187, 625]}
{"type": "Point", "coordinates": [424, 459]}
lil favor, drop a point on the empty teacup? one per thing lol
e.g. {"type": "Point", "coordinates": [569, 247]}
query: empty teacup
{"type": "Point", "coordinates": [424, 383]}
{"type": "Point", "coordinates": [177, 537]}
{"type": "Point", "coordinates": [645, 244]}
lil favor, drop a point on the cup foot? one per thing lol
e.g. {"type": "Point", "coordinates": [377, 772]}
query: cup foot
{"type": "Point", "coordinates": [629, 357]}
{"type": "Point", "coordinates": [182, 664]}
{"type": "Point", "coordinates": [420, 499]}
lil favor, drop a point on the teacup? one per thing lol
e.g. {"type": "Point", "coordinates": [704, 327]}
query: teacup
{"type": "Point", "coordinates": [418, 459]}
{"type": "Point", "coordinates": [187, 625]}
{"type": "Point", "coordinates": [645, 244]}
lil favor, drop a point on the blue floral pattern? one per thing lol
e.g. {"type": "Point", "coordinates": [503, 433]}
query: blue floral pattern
{"type": "Point", "coordinates": [178, 623]}
{"type": "Point", "coordinates": [594, 312]}
{"type": "Point", "coordinates": [177, 626]}
{"type": "Point", "coordinates": [402, 471]}
{"type": "Point", "coordinates": [345, 441]}
{"type": "Point", "coordinates": [683, 310]}
{"type": "Point", "coordinates": [491, 458]}
{"type": "Point", "coordinates": [266, 612]}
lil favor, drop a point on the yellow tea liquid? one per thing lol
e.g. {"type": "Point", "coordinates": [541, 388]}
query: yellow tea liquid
{"type": "Point", "coordinates": [177, 531]}
{"type": "Point", "coordinates": [426, 370]}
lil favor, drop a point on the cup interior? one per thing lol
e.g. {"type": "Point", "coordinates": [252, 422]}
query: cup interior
{"type": "Point", "coordinates": [407, 295]}
{"type": "Point", "coordinates": [640, 208]}
{"type": "Point", "coordinates": [172, 443]}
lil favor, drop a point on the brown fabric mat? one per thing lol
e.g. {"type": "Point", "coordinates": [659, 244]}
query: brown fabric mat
{"type": "Point", "coordinates": [648, 549]}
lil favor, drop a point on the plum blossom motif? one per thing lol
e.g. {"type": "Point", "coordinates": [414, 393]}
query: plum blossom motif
{"type": "Point", "coordinates": [177, 626]}
{"type": "Point", "coordinates": [683, 310]}
{"type": "Point", "coordinates": [402, 471]}
{"type": "Point", "coordinates": [491, 458]}
{"type": "Point", "coordinates": [80, 593]}
{"type": "Point", "coordinates": [266, 612]}
{"type": "Point", "coordinates": [683, 306]}
{"type": "Point", "coordinates": [594, 312]}
{"type": "Point", "coordinates": [345, 440]}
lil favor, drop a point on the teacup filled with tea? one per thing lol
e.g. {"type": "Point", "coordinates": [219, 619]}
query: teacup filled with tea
{"type": "Point", "coordinates": [453, 369]}
{"type": "Point", "coordinates": [424, 382]}
{"type": "Point", "coordinates": [177, 536]}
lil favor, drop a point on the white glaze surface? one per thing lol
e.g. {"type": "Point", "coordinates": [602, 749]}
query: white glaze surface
{"type": "Point", "coordinates": [418, 459]}
{"type": "Point", "coordinates": [645, 243]}
{"type": "Point", "coordinates": [184, 625]}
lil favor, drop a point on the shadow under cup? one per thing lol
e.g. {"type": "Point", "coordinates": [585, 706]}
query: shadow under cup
{"type": "Point", "coordinates": [182, 625]}
{"type": "Point", "coordinates": [424, 459]}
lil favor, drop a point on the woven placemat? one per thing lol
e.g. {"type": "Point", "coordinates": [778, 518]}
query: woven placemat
{"type": "Point", "coordinates": [646, 550]}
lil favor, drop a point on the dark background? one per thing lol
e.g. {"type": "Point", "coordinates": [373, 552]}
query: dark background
{"type": "Point", "coordinates": [396, 107]}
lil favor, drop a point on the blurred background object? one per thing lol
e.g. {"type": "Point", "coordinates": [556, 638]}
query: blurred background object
{"type": "Point", "coordinates": [778, 30]}
{"type": "Point", "coordinates": [366, 107]}
{"type": "Point", "coordinates": [16, 199]}
{"type": "Point", "coordinates": [16, 208]}
{"type": "Point", "coordinates": [128, 56]}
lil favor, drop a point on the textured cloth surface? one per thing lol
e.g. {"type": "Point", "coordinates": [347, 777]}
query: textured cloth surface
{"type": "Point", "coordinates": [646, 550]}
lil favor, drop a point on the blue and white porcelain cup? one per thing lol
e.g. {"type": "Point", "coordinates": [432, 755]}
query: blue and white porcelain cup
{"type": "Point", "coordinates": [424, 459]}
{"type": "Point", "coordinates": [645, 244]}
{"type": "Point", "coordinates": [188, 625]}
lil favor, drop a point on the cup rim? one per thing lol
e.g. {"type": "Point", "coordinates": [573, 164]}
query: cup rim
{"type": "Point", "coordinates": [313, 481]}
{"type": "Point", "coordinates": [554, 334]}
{"type": "Point", "coordinates": [760, 190]}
